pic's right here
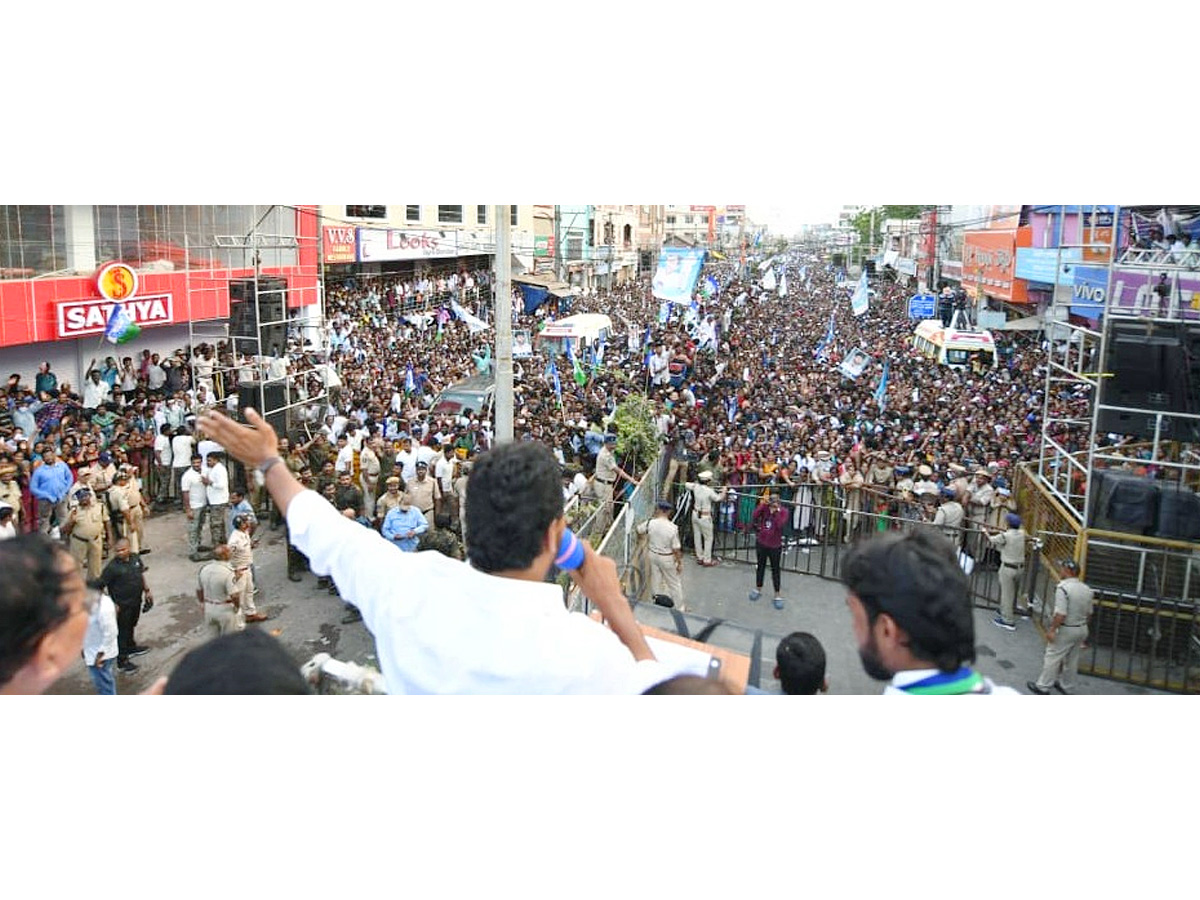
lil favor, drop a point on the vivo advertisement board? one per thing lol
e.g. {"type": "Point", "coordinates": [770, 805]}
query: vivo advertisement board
{"type": "Point", "coordinates": [1039, 264]}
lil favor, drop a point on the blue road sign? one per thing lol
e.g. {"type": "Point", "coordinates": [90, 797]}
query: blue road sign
{"type": "Point", "coordinates": [922, 306]}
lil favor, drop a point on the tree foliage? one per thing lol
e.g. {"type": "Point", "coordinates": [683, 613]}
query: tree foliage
{"type": "Point", "coordinates": [637, 439]}
{"type": "Point", "coordinates": [862, 222]}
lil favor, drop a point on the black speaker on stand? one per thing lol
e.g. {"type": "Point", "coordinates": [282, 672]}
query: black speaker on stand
{"type": "Point", "coordinates": [1149, 369]}
{"type": "Point", "coordinates": [270, 312]}
{"type": "Point", "coordinates": [268, 400]}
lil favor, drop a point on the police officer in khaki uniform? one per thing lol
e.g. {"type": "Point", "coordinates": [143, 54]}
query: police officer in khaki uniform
{"type": "Point", "coordinates": [607, 473]}
{"type": "Point", "coordinates": [241, 557]}
{"type": "Point", "coordinates": [118, 506]}
{"type": "Point", "coordinates": [368, 462]}
{"type": "Point", "coordinates": [704, 503]}
{"type": "Point", "coordinates": [949, 517]}
{"type": "Point", "coordinates": [1073, 602]}
{"type": "Point", "coordinates": [419, 493]}
{"type": "Point", "coordinates": [979, 500]}
{"type": "Point", "coordinates": [88, 525]}
{"type": "Point", "coordinates": [389, 501]}
{"type": "Point", "coordinates": [666, 554]}
{"type": "Point", "coordinates": [10, 493]}
{"type": "Point", "coordinates": [1011, 545]}
{"type": "Point", "coordinates": [216, 589]}
{"type": "Point", "coordinates": [138, 508]}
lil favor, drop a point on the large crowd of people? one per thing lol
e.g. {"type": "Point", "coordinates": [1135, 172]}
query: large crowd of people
{"type": "Point", "coordinates": [744, 382]}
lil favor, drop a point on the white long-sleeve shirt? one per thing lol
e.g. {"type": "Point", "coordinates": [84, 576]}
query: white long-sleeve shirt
{"type": "Point", "coordinates": [217, 489]}
{"type": "Point", "coordinates": [101, 635]}
{"type": "Point", "coordinates": [443, 627]}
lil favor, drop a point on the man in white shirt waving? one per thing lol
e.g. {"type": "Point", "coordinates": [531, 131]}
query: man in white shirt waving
{"type": "Point", "coordinates": [488, 626]}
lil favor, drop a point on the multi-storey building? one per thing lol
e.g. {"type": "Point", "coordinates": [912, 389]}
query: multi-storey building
{"type": "Point", "coordinates": [421, 238]}
{"type": "Point", "coordinates": [183, 260]}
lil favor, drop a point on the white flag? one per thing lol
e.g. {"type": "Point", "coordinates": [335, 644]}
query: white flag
{"type": "Point", "coordinates": [768, 281]}
{"type": "Point", "coordinates": [860, 301]}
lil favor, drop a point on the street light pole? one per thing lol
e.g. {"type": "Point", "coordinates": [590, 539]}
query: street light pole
{"type": "Point", "coordinates": [503, 354]}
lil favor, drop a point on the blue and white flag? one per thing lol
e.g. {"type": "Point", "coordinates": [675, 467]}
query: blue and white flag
{"type": "Point", "coordinates": [731, 408]}
{"type": "Point", "coordinates": [552, 371]}
{"type": "Point", "coordinates": [860, 300]}
{"type": "Point", "coordinates": [409, 384]}
{"type": "Point", "coordinates": [783, 284]}
{"type": "Point", "coordinates": [474, 323]}
{"type": "Point", "coordinates": [826, 343]}
{"type": "Point", "coordinates": [880, 395]}
{"type": "Point", "coordinates": [121, 329]}
{"type": "Point", "coordinates": [664, 313]}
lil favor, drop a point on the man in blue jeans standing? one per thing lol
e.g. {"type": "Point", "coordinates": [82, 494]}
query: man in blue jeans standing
{"type": "Point", "coordinates": [49, 485]}
{"type": "Point", "coordinates": [100, 645]}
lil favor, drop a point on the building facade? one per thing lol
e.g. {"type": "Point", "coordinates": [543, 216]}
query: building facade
{"type": "Point", "coordinates": [183, 259]}
{"type": "Point", "coordinates": [421, 239]}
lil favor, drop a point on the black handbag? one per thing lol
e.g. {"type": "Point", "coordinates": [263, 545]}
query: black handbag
{"type": "Point", "coordinates": [664, 600]}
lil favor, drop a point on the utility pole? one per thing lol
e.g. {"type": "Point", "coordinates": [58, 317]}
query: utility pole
{"type": "Point", "coordinates": [503, 353]}
{"type": "Point", "coordinates": [741, 243]}
{"type": "Point", "coordinates": [558, 251]}
{"type": "Point", "coordinates": [936, 267]}
{"type": "Point", "coordinates": [871, 248]}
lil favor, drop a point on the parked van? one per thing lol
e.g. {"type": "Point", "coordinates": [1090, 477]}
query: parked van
{"type": "Point", "coordinates": [953, 346]}
{"type": "Point", "coordinates": [584, 329]}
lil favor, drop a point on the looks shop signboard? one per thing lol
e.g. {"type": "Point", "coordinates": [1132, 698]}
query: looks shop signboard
{"type": "Point", "coordinates": [381, 245]}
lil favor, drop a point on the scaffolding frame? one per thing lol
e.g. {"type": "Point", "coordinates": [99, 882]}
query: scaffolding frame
{"type": "Point", "coordinates": [1076, 353]}
{"type": "Point", "coordinates": [251, 355]}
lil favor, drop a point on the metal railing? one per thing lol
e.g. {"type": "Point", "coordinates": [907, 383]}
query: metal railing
{"type": "Point", "coordinates": [1146, 625]}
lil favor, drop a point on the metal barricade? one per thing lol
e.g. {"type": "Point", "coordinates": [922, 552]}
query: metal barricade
{"type": "Point", "coordinates": [619, 542]}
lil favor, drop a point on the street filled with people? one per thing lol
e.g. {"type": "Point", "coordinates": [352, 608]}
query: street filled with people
{"type": "Point", "coordinates": [765, 427]}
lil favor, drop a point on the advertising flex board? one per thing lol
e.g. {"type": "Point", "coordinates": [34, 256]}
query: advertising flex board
{"type": "Point", "coordinates": [989, 261]}
{"type": "Point", "coordinates": [384, 244]}
{"type": "Point", "coordinates": [1039, 264]}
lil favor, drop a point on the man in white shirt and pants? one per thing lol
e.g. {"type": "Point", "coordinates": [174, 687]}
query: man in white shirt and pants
{"type": "Point", "coordinates": [488, 626]}
{"type": "Point", "coordinates": [216, 485]}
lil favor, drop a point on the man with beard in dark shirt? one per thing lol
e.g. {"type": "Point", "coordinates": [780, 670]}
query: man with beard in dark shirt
{"type": "Point", "coordinates": [125, 580]}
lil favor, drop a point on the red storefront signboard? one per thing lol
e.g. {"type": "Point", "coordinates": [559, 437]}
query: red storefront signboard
{"type": "Point", "coordinates": [341, 243]}
{"type": "Point", "coordinates": [81, 317]}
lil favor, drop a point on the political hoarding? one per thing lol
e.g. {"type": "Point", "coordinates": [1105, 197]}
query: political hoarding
{"type": "Point", "coordinates": [678, 270]}
{"type": "Point", "coordinates": [855, 363]}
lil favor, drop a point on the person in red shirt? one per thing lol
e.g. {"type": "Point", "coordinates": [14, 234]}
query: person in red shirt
{"type": "Point", "coordinates": [768, 522]}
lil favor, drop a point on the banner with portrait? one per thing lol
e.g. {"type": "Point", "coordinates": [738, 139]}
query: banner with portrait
{"type": "Point", "coordinates": [677, 273]}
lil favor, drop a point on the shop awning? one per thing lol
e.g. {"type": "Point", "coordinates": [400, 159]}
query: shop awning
{"type": "Point", "coordinates": [1027, 323]}
{"type": "Point", "coordinates": [548, 283]}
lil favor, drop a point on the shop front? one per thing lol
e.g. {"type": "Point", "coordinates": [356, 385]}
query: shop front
{"type": "Point", "coordinates": [989, 268]}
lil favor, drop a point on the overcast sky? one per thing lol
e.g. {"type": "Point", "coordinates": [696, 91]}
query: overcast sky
{"type": "Point", "coordinates": [787, 218]}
